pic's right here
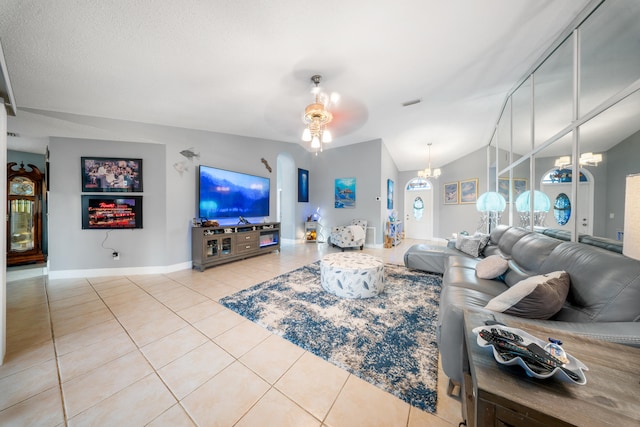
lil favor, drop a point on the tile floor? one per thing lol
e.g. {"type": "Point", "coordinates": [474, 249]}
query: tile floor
{"type": "Point", "coordinates": [159, 350]}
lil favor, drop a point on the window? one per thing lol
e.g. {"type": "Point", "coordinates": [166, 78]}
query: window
{"type": "Point", "coordinates": [419, 184]}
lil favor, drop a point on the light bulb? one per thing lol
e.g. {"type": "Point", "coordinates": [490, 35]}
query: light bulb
{"type": "Point", "coordinates": [315, 142]}
{"type": "Point", "coordinates": [326, 136]}
{"type": "Point", "coordinates": [306, 135]}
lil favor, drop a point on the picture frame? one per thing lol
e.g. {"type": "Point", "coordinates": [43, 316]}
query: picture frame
{"type": "Point", "coordinates": [503, 188]}
{"type": "Point", "coordinates": [469, 191]}
{"type": "Point", "coordinates": [450, 193]}
{"type": "Point", "coordinates": [345, 193]}
{"type": "Point", "coordinates": [111, 174]}
{"type": "Point", "coordinates": [303, 186]}
{"type": "Point", "coordinates": [389, 194]}
{"type": "Point", "coordinates": [520, 185]}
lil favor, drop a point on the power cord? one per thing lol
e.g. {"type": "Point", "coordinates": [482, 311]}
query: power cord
{"type": "Point", "coordinates": [115, 253]}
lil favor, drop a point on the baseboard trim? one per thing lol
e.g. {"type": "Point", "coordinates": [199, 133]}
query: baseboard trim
{"type": "Point", "coordinates": [27, 273]}
{"type": "Point", "coordinates": [130, 271]}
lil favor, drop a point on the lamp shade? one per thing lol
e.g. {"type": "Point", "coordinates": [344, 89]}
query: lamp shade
{"type": "Point", "coordinates": [631, 245]}
{"type": "Point", "coordinates": [491, 201]}
{"type": "Point", "coordinates": [541, 202]}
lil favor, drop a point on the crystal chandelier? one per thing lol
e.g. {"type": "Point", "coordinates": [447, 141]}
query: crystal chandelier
{"type": "Point", "coordinates": [317, 117]}
{"type": "Point", "coordinates": [428, 172]}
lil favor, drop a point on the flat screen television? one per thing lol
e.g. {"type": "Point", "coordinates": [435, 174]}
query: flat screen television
{"type": "Point", "coordinates": [111, 212]}
{"type": "Point", "coordinates": [228, 194]}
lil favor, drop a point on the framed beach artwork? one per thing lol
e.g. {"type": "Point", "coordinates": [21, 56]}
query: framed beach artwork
{"type": "Point", "coordinates": [451, 193]}
{"type": "Point", "coordinates": [469, 191]}
{"type": "Point", "coordinates": [303, 185]}
{"type": "Point", "coordinates": [345, 193]}
{"type": "Point", "coordinates": [503, 188]}
{"type": "Point", "coordinates": [389, 194]}
{"type": "Point", "coordinates": [519, 186]}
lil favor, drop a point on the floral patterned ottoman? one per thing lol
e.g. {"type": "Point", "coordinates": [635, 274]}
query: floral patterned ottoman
{"type": "Point", "coordinates": [352, 275]}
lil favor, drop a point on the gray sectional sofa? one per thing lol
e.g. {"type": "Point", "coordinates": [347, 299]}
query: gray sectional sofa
{"type": "Point", "coordinates": [603, 299]}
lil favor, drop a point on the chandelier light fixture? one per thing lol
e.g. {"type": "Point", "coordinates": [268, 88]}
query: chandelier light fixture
{"type": "Point", "coordinates": [428, 172]}
{"type": "Point", "coordinates": [316, 117]}
{"type": "Point", "coordinates": [586, 159]}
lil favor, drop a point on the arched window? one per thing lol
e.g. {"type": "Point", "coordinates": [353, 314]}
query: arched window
{"type": "Point", "coordinates": [418, 184]}
{"type": "Point", "coordinates": [562, 176]}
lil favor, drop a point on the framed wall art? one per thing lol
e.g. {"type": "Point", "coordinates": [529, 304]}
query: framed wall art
{"type": "Point", "coordinates": [469, 191]}
{"type": "Point", "coordinates": [389, 194]}
{"type": "Point", "coordinates": [303, 185]}
{"type": "Point", "coordinates": [503, 188]}
{"type": "Point", "coordinates": [451, 193]}
{"type": "Point", "coordinates": [345, 193]}
{"type": "Point", "coordinates": [111, 174]}
{"type": "Point", "coordinates": [519, 186]}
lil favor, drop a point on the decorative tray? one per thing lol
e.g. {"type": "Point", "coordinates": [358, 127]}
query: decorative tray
{"type": "Point", "coordinates": [571, 371]}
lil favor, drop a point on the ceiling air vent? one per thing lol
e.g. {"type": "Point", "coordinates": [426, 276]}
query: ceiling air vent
{"type": "Point", "coordinates": [412, 102]}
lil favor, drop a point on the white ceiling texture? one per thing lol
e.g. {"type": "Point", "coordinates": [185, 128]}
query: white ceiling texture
{"type": "Point", "coordinates": [244, 66]}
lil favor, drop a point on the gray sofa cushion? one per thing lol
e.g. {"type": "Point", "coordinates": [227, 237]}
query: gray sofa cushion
{"type": "Point", "coordinates": [602, 242]}
{"type": "Point", "coordinates": [430, 258]}
{"type": "Point", "coordinates": [509, 238]}
{"type": "Point", "coordinates": [527, 256]}
{"type": "Point", "coordinates": [530, 251]}
{"type": "Point", "coordinates": [605, 286]}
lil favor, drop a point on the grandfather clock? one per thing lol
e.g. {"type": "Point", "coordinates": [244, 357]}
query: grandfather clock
{"type": "Point", "coordinates": [24, 216]}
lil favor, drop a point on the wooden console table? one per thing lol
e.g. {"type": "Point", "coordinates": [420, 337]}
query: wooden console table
{"type": "Point", "coordinates": [211, 246]}
{"type": "Point", "coordinates": [498, 395]}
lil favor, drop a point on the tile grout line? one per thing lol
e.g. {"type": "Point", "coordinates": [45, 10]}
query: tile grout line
{"type": "Point", "coordinates": [55, 351]}
{"type": "Point", "coordinates": [155, 371]}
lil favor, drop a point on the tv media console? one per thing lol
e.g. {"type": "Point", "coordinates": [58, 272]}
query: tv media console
{"type": "Point", "coordinates": [211, 246]}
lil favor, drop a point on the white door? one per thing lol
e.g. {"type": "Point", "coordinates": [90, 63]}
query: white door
{"type": "Point", "coordinates": [584, 207]}
{"type": "Point", "coordinates": [418, 213]}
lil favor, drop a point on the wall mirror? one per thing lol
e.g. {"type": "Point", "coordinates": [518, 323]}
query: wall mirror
{"type": "Point", "coordinates": [605, 135]}
{"type": "Point", "coordinates": [553, 93]}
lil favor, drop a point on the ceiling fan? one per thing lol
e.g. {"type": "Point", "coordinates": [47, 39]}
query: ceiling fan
{"type": "Point", "coordinates": [287, 111]}
{"type": "Point", "coordinates": [317, 116]}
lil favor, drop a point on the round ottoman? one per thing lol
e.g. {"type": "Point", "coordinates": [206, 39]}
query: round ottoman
{"type": "Point", "coordinates": [352, 275]}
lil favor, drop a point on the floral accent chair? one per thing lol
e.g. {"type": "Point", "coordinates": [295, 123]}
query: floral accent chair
{"type": "Point", "coordinates": [349, 236]}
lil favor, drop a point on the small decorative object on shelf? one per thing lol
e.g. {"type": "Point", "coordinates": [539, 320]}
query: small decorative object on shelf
{"type": "Point", "coordinates": [394, 233]}
{"type": "Point", "coordinates": [310, 231]}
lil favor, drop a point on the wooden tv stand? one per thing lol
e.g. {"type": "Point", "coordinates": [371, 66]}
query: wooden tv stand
{"type": "Point", "coordinates": [211, 246]}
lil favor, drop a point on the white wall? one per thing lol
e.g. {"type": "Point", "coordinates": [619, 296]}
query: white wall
{"type": "Point", "coordinates": [388, 170]}
{"type": "Point", "coordinates": [70, 247]}
{"type": "Point", "coordinates": [232, 152]}
{"type": "Point", "coordinates": [361, 161]}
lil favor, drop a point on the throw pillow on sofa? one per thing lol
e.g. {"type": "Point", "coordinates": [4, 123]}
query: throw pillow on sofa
{"type": "Point", "coordinates": [472, 245]}
{"type": "Point", "coordinates": [538, 297]}
{"type": "Point", "coordinates": [491, 267]}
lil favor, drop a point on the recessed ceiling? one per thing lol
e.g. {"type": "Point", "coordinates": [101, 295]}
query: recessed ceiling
{"type": "Point", "coordinates": [243, 67]}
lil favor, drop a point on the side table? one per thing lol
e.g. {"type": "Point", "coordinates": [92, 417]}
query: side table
{"type": "Point", "coordinates": [499, 395]}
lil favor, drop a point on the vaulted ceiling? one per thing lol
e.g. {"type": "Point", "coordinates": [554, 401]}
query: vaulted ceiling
{"type": "Point", "coordinates": [243, 67]}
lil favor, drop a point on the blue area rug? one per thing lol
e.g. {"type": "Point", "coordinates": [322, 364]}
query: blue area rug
{"type": "Point", "coordinates": [388, 341]}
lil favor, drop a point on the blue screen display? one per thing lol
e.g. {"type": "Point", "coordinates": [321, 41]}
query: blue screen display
{"type": "Point", "coordinates": [227, 194]}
